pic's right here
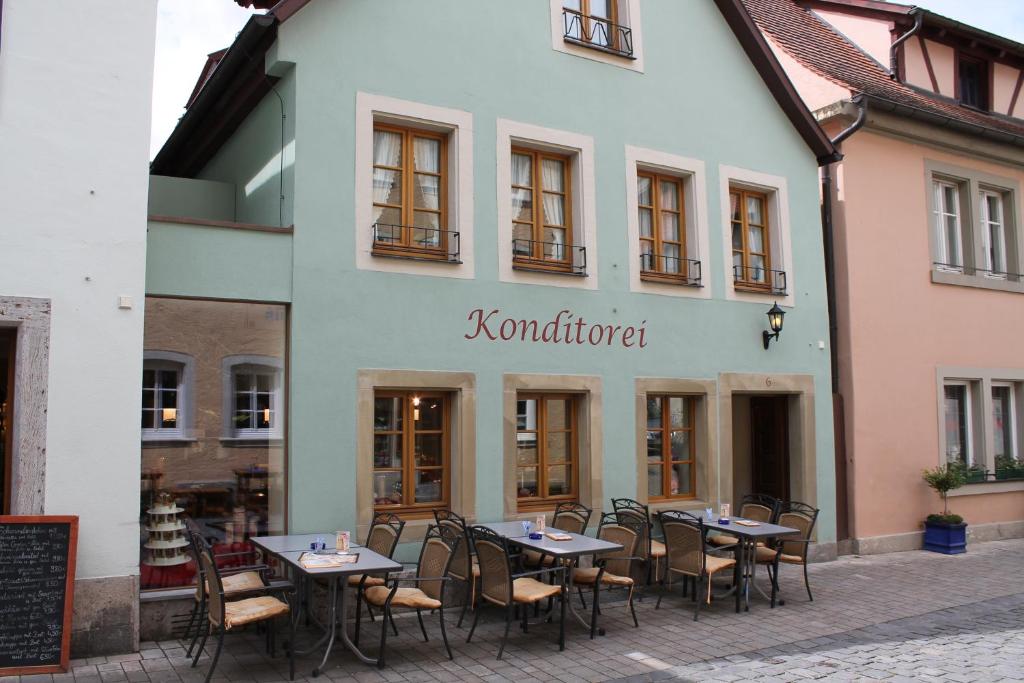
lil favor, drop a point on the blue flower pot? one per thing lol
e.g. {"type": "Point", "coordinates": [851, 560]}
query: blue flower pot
{"type": "Point", "coordinates": [948, 539]}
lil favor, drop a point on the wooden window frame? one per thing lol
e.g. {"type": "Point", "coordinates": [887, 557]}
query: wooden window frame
{"type": "Point", "coordinates": [408, 469]}
{"type": "Point", "coordinates": [408, 173]}
{"type": "Point", "coordinates": [656, 273]}
{"type": "Point", "coordinates": [984, 81]}
{"type": "Point", "coordinates": [667, 461]}
{"type": "Point", "coordinates": [587, 21]}
{"type": "Point", "coordinates": [742, 283]}
{"type": "Point", "coordinates": [544, 501]}
{"type": "Point", "coordinates": [536, 259]}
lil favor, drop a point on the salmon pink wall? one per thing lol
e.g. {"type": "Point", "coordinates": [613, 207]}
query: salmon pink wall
{"type": "Point", "coordinates": [816, 91]}
{"type": "Point", "coordinates": [1004, 80]}
{"type": "Point", "coordinates": [891, 346]}
{"type": "Point", "coordinates": [873, 36]}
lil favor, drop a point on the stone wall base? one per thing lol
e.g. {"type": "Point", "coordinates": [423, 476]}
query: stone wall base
{"type": "Point", "coordinates": [895, 543]}
{"type": "Point", "coordinates": [105, 619]}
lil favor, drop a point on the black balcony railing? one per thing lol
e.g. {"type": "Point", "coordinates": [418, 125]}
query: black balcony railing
{"type": "Point", "coordinates": [966, 270]}
{"type": "Point", "coordinates": [682, 270]}
{"type": "Point", "coordinates": [598, 33]}
{"type": "Point", "coordinates": [549, 256]}
{"type": "Point", "coordinates": [755, 278]}
{"type": "Point", "coordinates": [410, 241]}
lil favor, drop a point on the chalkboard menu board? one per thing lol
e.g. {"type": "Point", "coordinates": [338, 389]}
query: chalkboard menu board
{"type": "Point", "coordinates": [37, 579]}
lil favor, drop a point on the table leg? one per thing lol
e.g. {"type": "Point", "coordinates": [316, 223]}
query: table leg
{"type": "Point", "coordinates": [569, 585]}
{"type": "Point", "coordinates": [332, 623]}
{"type": "Point", "coordinates": [344, 633]}
{"type": "Point", "coordinates": [741, 568]}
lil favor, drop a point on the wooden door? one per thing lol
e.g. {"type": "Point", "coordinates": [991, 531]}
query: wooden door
{"type": "Point", "coordinates": [769, 445]}
{"type": "Point", "coordinates": [7, 337]}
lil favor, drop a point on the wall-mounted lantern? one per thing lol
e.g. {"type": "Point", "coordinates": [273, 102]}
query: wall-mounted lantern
{"type": "Point", "coordinates": [775, 316]}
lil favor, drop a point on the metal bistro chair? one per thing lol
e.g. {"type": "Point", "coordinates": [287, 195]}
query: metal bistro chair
{"type": "Point", "coordinates": [612, 569]}
{"type": "Point", "coordinates": [224, 616]}
{"type": "Point", "coordinates": [650, 549]}
{"type": "Point", "coordinates": [570, 517]}
{"type": "Point", "coordinates": [687, 556]}
{"type": "Point", "coordinates": [759, 507]}
{"type": "Point", "coordinates": [382, 538]}
{"type": "Point", "coordinates": [464, 566]}
{"type": "Point", "coordinates": [238, 581]}
{"type": "Point", "coordinates": [427, 591]}
{"type": "Point", "coordinates": [500, 586]}
{"type": "Point", "coordinates": [799, 516]}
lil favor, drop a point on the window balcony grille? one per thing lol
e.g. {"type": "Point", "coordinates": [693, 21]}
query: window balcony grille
{"type": "Point", "coordinates": [757, 279]}
{"type": "Point", "coordinates": [598, 33]}
{"type": "Point", "coordinates": [556, 257]}
{"type": "Point", "coordinates": [414, 242]}
{"type": "Point", "coordinates": [673, 269]}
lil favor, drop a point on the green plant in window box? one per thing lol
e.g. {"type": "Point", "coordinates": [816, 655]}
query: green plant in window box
{"type": "Point", "coordinates": [975, 474]}
{"type": "Point", "coordinates": [946, 533]}
{"type": "Point", "coordinates": [1009, 468]}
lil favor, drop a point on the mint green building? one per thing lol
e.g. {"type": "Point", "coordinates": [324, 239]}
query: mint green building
{"type": "Point", "coordinates": [414, 255]}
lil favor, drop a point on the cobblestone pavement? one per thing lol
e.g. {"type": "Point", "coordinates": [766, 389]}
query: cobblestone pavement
{"type": "Point", "coordinates": [902, 616]}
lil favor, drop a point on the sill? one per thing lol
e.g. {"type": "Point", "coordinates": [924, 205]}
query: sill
{"type": "Point", "coordinates": [600, 48]}
{"type": "Point", "coordinates": [417, 255]}
{"type": "Point", "coordinates": [669, 279]}
{"type": "Point", "coordinates": [165, 441]}
{"type": "Point", "coordinates": [757, 289]}
{"type": "Point", "coordinates": [984, 487]}
{"type": "Point", "coordinates": [536, 266]}
{"type": "Point", "coordinates": [239, 442]}
{"type": "Point", "coordinates": [943, 276]}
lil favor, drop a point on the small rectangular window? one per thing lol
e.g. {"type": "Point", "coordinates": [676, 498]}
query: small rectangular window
{"type": "Point", "coordinates": [602, 24]}
{"type": "Point", "coordinates": [752, 243]}
{"type": "Point", "coordinates": [671, 447]}
{"type": "Point", "coordinates": [993, 233]}
{"type": "Point", "coordinates": [662, 221]}
{"type": "Point", "coordinates": [972, 75]}
{"type": "Point", "coordinates": [1004, 428]}
{"type": "Point", "coordinates": [162, 390]}
{"type": "Point", "coordinates": [542, 220]}
{"type": "Point", "coordinates": [410, 185]}
{"type": "Point", "coordinates": [411, 441]}
{"type": "Point", "coordinates": [958, 423]}
{"type": "Point", "coordinates": [948, 225]}
{"type": "Point", "coordinates": [547, 460]}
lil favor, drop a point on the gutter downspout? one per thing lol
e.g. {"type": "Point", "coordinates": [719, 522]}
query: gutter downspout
{"type": "Point", "coordinates": [829, 240]}
{"type": "Point", "coordinates": [893, 61]}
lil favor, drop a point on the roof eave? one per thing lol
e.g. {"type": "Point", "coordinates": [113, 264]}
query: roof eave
{"type": "Point", "coordinates": [772, 73]}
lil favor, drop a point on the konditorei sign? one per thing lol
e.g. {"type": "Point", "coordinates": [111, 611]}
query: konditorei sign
{"type": "Point", "coordinates": [564, 328]}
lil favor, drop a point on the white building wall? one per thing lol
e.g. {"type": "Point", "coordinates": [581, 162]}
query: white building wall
{"type": "Point", "coordinates": [75, 98]}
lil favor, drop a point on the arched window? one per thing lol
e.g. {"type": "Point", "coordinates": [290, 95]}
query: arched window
{"type": "Point", "coordinates": [166, 377]}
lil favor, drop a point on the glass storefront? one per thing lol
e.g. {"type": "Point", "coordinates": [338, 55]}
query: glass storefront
{"type": "Point", "coordinates": [212, 416]}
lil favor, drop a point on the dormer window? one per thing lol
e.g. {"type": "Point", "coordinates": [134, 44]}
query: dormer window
{"type": "Point", "coordinates": [972, 82]}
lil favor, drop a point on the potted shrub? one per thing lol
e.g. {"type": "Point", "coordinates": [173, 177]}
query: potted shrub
{"type": "Point", "coordinates": [1009, 468]}
{"type": "Point", "coordinates": [945, 533]}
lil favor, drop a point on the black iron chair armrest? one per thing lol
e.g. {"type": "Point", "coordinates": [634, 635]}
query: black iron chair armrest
{"type": "Point", "coordinates": [229, 571]}
{"type": "Point", "coordinates": [548, 570]}
{"type": "Point", "coordinates": [421, 579]}
{"type": "Point", "coordinates": [602, 561]}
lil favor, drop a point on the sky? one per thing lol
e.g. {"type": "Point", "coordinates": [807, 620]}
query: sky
{"type": "Point", "coordinates": [188, 30]}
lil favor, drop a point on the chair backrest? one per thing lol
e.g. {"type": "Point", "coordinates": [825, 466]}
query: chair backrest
{"type": "Point", "coordinates": [619, 562]}
{"type": "Point", "coordinates": [759, 507]}
{"type": "Point", "coordinates": [215, 589]}
{"type": "Point", "coordinates": [462, 560]}
{"type": "Point", "coordinates": [195, 544]}
{"type": "Point", "coordinates": [571, 517]}
{"type": "Point", "coordinates": [684, 541]}
{"type": "Point", "coordinates": [385, 530]}
{"type": "Point", "coordinates": [436, 556]}
{"type": "Point", "coordinates": [634, 512]}
{"type": "Point", "coordinates": [799, 516]}
{"type": "Point", "coordinates": [495, 565]}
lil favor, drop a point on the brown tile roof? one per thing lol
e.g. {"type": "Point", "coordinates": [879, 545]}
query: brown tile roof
{"type": "Point", "coordinates": [816, 45]}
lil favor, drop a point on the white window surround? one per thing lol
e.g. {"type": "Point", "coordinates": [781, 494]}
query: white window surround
{"type": "Point", "coordinates": [691, 172]}
{"type": "Point", "coordinates": [273, 365]}
{"type": "Point", "coordinates": [185, 365]}
{"type": "Point", "coordinates": [775, 187]}
{"type": "Point", "coordinates": [584, 212]}
{"type": "Point", "coordinates": [947, 259]}
{"type": "Point", "coordinates": [632, 10]}
{"type": "Point", "coordinates": [995, 256]}
{"type": "Point", "coordinates": [981, 381]}
{"type": "Point", "coordinates": [458, 125]}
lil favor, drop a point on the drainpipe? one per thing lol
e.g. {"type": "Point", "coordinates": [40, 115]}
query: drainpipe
{"type": "Point", "coordinates": [828, 239]}
{"type": "Point", "coordinates": [918, 21]}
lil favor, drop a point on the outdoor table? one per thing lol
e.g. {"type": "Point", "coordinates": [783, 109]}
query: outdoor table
{"type": "Point", "coordinates": [369, 562]}
{"type": "Point", "coordinates": [746, 551]}
{"type": "Point", "coordinates": [279, 544]}
{"type": "Point", "coordinates": [579, 546]}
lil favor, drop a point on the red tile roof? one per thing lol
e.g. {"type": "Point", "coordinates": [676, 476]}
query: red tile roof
{"type": "Point", "coordinates": [820, 48]}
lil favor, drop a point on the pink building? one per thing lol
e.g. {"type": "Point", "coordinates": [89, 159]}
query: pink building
{"type": "Point", "coordinates": [928, 254]}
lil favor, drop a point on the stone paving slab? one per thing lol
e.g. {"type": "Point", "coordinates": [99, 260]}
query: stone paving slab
{"type": "Point", "coordinates": [903, 616]}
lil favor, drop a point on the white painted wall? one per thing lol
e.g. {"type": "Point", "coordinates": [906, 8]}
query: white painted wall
{"type": "Point", "coordinates": [75, 94]}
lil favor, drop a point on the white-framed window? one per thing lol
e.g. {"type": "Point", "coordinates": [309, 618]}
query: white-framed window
{"type": "Point", "coordinates": [948, 225]}
{"type": "Point", "coordinates": [1004, 422]}
{"type": "Point", "coordinates": [166, 377]}
{"type": "Point", "coordinates": [958, 424]}
{"type": "Point", "coordinates": [757, 236]}
{"type": "Point", "coordinates": [606, 31]}
{"type": "Point", "coordinates": [993, 233]}
{"type": "Point", "coordinates": [253, 398]}
{"type": "Point", "coordinates": [558, 202]}
{"type": "Point", "coordinates": [414, 195]}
